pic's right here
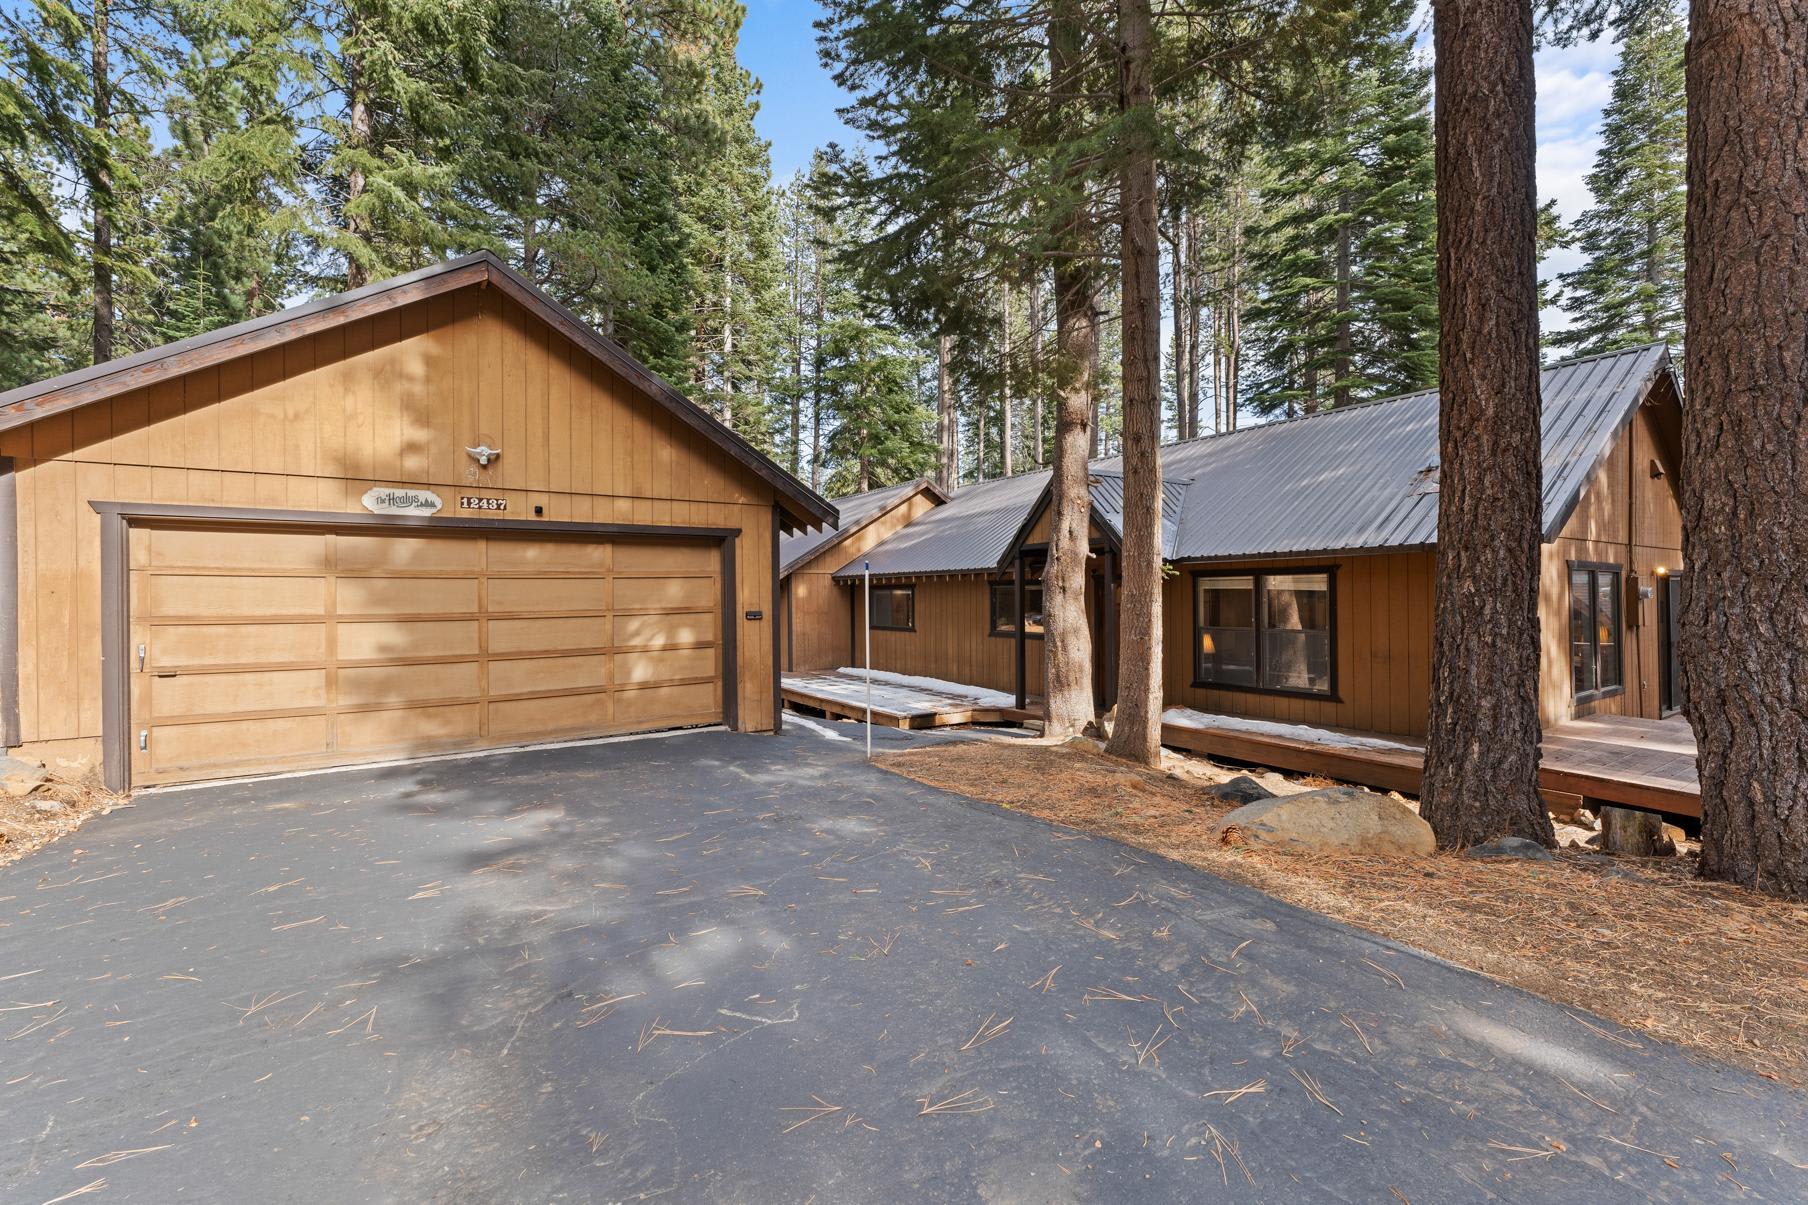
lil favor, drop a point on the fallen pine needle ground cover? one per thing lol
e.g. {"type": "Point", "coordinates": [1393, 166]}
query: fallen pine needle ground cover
{"type": "Point", "coordinates": [1644, 942]}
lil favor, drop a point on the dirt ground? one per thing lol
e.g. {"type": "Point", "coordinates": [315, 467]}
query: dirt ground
{"type": "Point", "coordinates": [55, 810]}
{"type": "Point", "coordinates": [1644, 942]}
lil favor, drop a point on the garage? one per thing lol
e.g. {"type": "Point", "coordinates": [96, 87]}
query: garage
{"type": "Point", "coordinates": [266, 649]}
{"type": "Point", "coordinates": [434, 515]}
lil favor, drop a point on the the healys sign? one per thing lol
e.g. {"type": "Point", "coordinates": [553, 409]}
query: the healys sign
{"type": "Point", "coordinates": [393, 500]}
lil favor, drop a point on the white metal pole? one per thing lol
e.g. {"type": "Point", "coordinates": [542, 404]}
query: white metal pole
{"type": "Point", "coordinates": [868, 608]}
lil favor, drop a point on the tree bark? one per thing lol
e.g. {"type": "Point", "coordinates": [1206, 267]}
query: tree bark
{"type": "Point", "coordinates": [1744, 639]}
{"type": "Point", "coordinates": [1005, 434]}
{"type": "Point", "coordinates": [100, 189]}
{"type": "Point", "coordinates": [816, 371]}
{"type": "Point", "coordinates": [948, 463]}
{"type": "Point", "coordinates": [1177, 258]}
{"type": "Point", "coordinates": [1067, 641]}
{"type": "Point", "coordinates": [1136, 736]}
{"type": "Point", "coordinates": [1481, 749]}
{"type": "Point", "coordinates": [1036, 382]}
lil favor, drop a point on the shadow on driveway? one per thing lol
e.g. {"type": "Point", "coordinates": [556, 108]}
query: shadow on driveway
{"type": "Point", "coordinates": [726, 967]}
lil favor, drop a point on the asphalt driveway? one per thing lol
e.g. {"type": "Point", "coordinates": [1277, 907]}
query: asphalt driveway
{"type": "Point", "coordinates": [722, 967]}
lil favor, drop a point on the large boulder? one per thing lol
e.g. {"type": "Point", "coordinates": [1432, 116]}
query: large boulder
{"type": "Point", "coordinates": [19, 778]}
{"type": "Point", "coordinates": [1238, 791]}
{"type": "Point", "coordinates": [1336, 820]}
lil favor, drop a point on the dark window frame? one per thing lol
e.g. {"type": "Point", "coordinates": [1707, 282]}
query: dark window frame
{"type": "Point", "coordinates": [1595, 569]}
{"type": "Point", "coordinates": [908, 588]}
{"type": "Point", "coordinates": [1260, 576]}
{"type": "Point", "coordinates": [992, 628]}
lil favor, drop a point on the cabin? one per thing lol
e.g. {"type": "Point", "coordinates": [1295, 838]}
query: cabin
{"type": "Point", "coordinates": [1301, 558]}
{"type": "Point", "coordinates": [816, 614]}
{"type": "Point", "coordinates": [436, 513]}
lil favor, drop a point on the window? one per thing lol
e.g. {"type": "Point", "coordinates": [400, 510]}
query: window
{"type": "Point", "coordinates": [895, 608]}
{"type": "Point", "coordinates": [1594, 631]}
{"type": "Point", "coordinates": [1004, 609]}
{"type": "Point", "coordinates": [1264, 631]}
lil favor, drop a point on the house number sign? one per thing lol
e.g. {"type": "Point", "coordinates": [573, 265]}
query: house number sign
{"type": "Point", "coordinates": [481, 502]}
{"type": "Point", "coordinates": [389, 500]}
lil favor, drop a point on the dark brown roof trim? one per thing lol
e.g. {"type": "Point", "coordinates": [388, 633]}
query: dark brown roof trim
{"type": "Point", "coordinates": [29, 403]}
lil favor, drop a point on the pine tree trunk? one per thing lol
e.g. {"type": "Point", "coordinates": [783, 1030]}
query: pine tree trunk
{"type": "Point", "coordinates": [948, 468]}
{"type": "Point", "coordinates": [1745, 439]}
{"type": "Point", "coordinates": [1177, 256]}
{"type": "Point", "coordinates": [1193, 324]}
{"type": "Point", "coordinates": [357, 275]}
{"type": "Point", "coordinates": [816, 377]}
{"type": "Point", "coordinates": [1067, 643]}
{"type": "Point", "coordinates": [1137, 734]}
{"type": "Point", "coordinates": [1342, 363]}
{"type": "Point", "coordinates": [1005, 434]}
{"type": "Point", "coordinates": [101, 186]}
{"type": "Point", "coordinates": [1481, 749]}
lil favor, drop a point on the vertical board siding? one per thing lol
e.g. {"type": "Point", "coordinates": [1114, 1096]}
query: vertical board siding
{"type": "Point", "coordinates": [393, 399]}
{"type": "Point", "coordinates": [819, 613]}
{"type": "Point", "coordinates": [952, 640]}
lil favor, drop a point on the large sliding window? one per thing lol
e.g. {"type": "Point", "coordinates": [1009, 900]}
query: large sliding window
{"type": "Point", "coordinates": [894, 608]}
{"type": "Point", "coordinates": [1595, 668]}
{"type": "Point", "coordinates": [1264, 631]}
{"type": "Point", "coordinates": [1004, 609]}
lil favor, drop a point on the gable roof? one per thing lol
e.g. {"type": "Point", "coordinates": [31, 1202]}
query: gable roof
{"type": "Point", "coordinates": [28, 403]}
{"type": "Point", "coordinates": [1357, 478]}
{"type": "Point", "coordinates": [856, 510]}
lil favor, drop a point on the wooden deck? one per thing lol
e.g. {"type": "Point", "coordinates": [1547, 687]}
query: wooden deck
{"type": "Point", "coordinates": [844, 695]}
{"type": "Point", "coordinates": [1648, 765]}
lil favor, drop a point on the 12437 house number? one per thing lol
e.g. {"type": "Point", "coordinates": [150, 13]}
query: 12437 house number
{"type": "Point", "coordinates": [479, 502]}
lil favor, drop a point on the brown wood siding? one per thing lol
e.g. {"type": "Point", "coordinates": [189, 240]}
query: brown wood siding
{"type": "Point", "coordinates": [392, 399]}
{"type": "Point", "coordinates": [953, 639]}
{"type": "Point", "coordinates": [819, 613]}
{"type": "Point", "coordinates": [1627, 516]}
{"type": "Point", "coordinates": [1381, 646]}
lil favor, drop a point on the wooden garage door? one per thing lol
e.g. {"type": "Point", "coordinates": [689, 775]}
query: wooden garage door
{"type": "Point", "coordinates": [258, 648]}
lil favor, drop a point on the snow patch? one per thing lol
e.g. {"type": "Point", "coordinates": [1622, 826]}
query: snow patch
{"type": "Point", "coordinates": [822, 730]}
{"type": "Point", "coordinates": [1186, 717]}
{"type": "Point", "coordinates": [979, 696]}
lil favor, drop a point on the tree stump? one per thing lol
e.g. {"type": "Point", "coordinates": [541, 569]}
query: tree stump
{"type": "Point", "coordinates": [1634, 834]}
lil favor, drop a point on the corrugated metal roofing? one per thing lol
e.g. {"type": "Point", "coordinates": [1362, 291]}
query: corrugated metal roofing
{"type": "Point", "coordinates": [855, 510]}
{"type": "Point", "coordinates": [967, 534]}
{"type": "Point", "coordinates": [1108, 499]}
{"type": "Point", "coordinates": [1342, 480]}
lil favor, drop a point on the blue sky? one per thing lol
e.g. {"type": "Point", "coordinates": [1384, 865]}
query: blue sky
{"type": "Point", "coordinates": [798, 102]}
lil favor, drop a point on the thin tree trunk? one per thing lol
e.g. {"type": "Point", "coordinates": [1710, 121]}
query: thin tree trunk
{"type": "Point", "coordinates": [1067, 643]}
{"type": "Point", "coordinates": [1036, 382]}
{"type": "Point", "coordinates": [101, 187]}
{"type": "Point", "coordinates": [948, 468]}
{"type": "Point", "coordinates": [816, 373]}
{"type": "Point", "coordinates": [1136, 736]}
{"type": "Point", "coordinates": [1481, 748]}
{"type": "Point", "coordinates": [1177, 258]}
{"type": "Point", "coordinates": [1343, 362]}
{"type": "Point", "coordinates": [1745, 437]}
{"type": "Point", "coordinates": [979, 443]}
{"type": "Point", "coordinates": [1005, 433]}
{"type": "Point", "coordinates": [357, 273]}
{"type": "Point", "coordinates": [1194, 305]}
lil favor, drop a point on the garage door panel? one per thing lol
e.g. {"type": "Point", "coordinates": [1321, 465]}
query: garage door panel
{"type": "Point", "coordinates": [666, 704]}
{"type": "Point", "coordinates": [229, 596]}
{"type": "Point", "coordinates": [181, 548]}
{"type": "Point", "coordinates": [409, 554]}
{"type": "Point", "coordinates": [370, 640]}
{"type": "Point", "coordinates": [407, 595]}
{"type": "Point", "coordinates": [574, 555]}
{"type": "Point", "coordinates": [642, 593]}
{"type": "Point", "coordinates": [556, 714]}
{"type": "Point", "coordinates": [225, 744]}
{"type": "Point", "coordinates": [659, 631]}
{"type": "Point", "coordinates": [270, 648]}
{"type": "Point", "coordinates": [548, 594]}
{"type": "Point", "coordinates": [548, 635]}
{"type": "Point", "coordinates": [406, 728]}
{"type": "Point", "coordinates": [375, 684]}
{"type": "Point", "coordinates": [529, 674]}
{"type": "Point", "coordinates": [203, 644]}
{"type": "Point", "coordinates": [666, 665]}
{"type": "Point", "coordinates": [633, 556]}
{"type": "Point", "coordinates": [234, 693]}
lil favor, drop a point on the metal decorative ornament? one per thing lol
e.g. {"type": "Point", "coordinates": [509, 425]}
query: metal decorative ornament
{"type": "Point", "coordinates": [483, 453]}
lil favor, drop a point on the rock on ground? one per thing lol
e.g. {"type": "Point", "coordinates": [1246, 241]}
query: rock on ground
{"type": "Point", "coordinates": [1238, 791]}
{"type": "Point", "coordinates": [1510, 847]}
{"type": "Point", "coordinates": [20, 778]}
{"type": "Point", "coordinates": [1335, 820]}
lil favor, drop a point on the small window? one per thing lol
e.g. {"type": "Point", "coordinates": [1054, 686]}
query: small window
{"type": "Point", "coordinates": [1004, 609]}
{"type": "Point", "coordinates": [895, 608]}
{"type": "Point", "coordinates": [1264, 631]}
{"type": "Point", "coordinates": [1594, 631]}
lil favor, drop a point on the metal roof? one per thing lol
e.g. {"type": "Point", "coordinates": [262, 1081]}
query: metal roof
{"type": "Point", "coordinates": [1107, 491]}
{"type": "Point", "coordinates": [1356, 478]}
{"type": "Point", "coordinates": [856, 511]}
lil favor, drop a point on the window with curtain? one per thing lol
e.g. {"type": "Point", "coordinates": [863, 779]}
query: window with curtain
{"type": "Point", "coordinates": [1263, 631]}
{"type": "Point", "coordinates": [894, 608]}
{"type": "Point", "coordinates": [1594, 631]}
